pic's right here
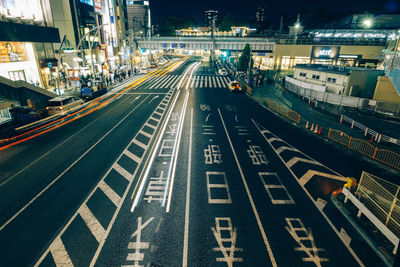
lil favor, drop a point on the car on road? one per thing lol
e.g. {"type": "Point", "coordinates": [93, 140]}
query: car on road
{"type": "Point", "coordinates": [223, 72]}
{"type": "Point", "coordinates": [63, 104]}
{"type": "Point", "coordinates": [235, 87]}
{"type": "Point", "coordinates": [153, 65]}
{"type": "Point", "coordinates": [143, 70]}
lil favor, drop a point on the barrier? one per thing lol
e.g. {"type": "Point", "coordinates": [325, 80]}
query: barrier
{"type": "Point", "coordinates": [290, 114]}
{"type": "Point", "coordinates": [387, 157]}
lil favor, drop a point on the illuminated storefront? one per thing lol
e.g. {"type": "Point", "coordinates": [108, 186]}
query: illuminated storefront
{"type": "Point", "coordinates": [18, 62]}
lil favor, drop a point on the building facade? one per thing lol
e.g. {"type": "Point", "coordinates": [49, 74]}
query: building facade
{"type": "Point", "coordinates": [139, 18]}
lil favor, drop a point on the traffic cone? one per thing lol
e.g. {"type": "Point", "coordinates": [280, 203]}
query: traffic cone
{"type": "Point", "coordinates": [312, 127]}
{"type": "Point", "coordinates": [307, 125]}
{"type": "Point", "coordinates": [320, 131]}
{"type": "Point", "coordinates": [316, 129]}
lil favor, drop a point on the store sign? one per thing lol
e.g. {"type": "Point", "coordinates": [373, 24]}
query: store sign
{"type": "Point", "coordinates": [12, 52]}
{"type": "Point", "coordinates": [97, 6]}
{"type": "Point", "coordinates": [87, 2]}
{"type": "Point", "coordinates": [182, 46]}
{"type": "Point", "coordinates": [325, 52]}
{"type": "Point", "coordinates": [164, 45]}
{"type": "Point", "coordinates": [173, 45]}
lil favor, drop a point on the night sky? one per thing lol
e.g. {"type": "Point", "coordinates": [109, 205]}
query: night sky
{"type": "Point", "coordinates": [275, 9]}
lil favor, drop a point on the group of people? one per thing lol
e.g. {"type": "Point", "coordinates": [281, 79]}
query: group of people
{"type": "Point", "coordinates": [116, 76]}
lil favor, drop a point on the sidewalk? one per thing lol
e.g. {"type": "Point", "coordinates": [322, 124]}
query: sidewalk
{"type": "Point", "coordinates": [328, 116]}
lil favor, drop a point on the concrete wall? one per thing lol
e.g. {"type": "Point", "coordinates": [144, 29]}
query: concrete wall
{"type": "Point", "coordinates": [385, 90]}
{"type": "Point", "coordinates": [362, 83]}
{"type": "Point", "coordinates": [330, 87]}
{"type": "Point", "coordinates": [62, 20]}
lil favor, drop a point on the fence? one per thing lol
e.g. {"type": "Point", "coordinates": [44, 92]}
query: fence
{"type": "Point", "coordinates": [377, 136]}
{"type": "Point", "coordinates": [385, 156]}
{"type": "Point", "coordinates": [381, 198]}
{"type": "Point", "coordinates": [291, 84]}
{"type": "Point", "coordinates": [291, 114]}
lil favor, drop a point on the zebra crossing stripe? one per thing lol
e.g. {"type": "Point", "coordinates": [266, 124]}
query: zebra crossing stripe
{"type": "Point", "coordinates": [92, 223]}
{"type": "Point", "coordinates": [214, 83]}
{"type": "Point", "coordinates": [197, 81]}
{"type": "Point", "coordinates": [171, 81]}
{"type": "Point", "coordinates": [201, 83]}
{"type": "Point", "coordinates": [192, 83]}
{"type": "Point", "coordinates": [156, 83]}
{"type": "Point", "coordinates": [59, 253]}
{"type": "Point", "coordinates": [227, 82]}
{"type": "Point", "coordinates": [175, 83]}
{"type": "Point", "coordinates": [153, 81]}
{"type": "Point", "coordinates": [165, 81]}
{"type": "Point", "coordinates": [218, 81]}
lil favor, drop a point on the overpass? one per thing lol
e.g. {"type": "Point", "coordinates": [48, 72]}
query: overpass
{"type": "Point", "coordinates": [236, 44]}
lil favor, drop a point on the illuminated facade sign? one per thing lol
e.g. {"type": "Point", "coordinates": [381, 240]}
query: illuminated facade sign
{"type": "Point", "coordinates": [97, 6]}
{"type": "Point", "coordinates": [87, 2]}
{"type": "Point", "coordinates": [12, 52]}
{"type": "Point", "coordinates": [24, 9]}
{"type": "Point", "coordinates": [325, 52]}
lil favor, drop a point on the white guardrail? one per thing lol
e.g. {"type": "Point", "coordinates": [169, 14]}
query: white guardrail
{"type": "Point", "coordinates": [379, 225]}
{"type": "Point", "coordinates": [377, 136]}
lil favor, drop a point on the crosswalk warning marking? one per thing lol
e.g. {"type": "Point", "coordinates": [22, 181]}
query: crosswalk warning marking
{"type": "Point", "coordinates": [175, 83]}
{"type": "Point", "coordinates": [92, 223]}
{"type": "Point", "coordinates": [138, 143]}
{"type": "Point", "coordinates": [305, 240]}
{"type": "Point", "coordinates": [155, 81]}
{"type": "Point", "coordinates": [146, 134]}
{"type": "Point", "coordinates": [311, 173]}
{"type": "Point", "coordinates": [133, 157]}
{"type": "Point", "coordinates": [159, 81]}
{"type": "Point", "coordinates": [59, 253]}
{"type": "Point", "coordinates": [294, 160]}
{"type": "Point", "coordinates": [226, 237]}
{"type": "Point", "coordinates": [165, 82]}
{"type": "Point", "coordinates": [110, 193]}
{"type": "Point", "coordinates": [171, 81]}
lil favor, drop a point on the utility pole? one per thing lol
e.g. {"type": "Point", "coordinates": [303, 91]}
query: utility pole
{"type": "Point", "coordinates": [212, 17]}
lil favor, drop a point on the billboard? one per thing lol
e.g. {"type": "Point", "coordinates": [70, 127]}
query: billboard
{"type": "Point", "coordinates": [325, 52]}
{"type": "Point", "coordinates": [97, 6]}
{"type": "Point", "coordinates": [87, 2]}
{"type": "Point", "coordinates": [12, 52]}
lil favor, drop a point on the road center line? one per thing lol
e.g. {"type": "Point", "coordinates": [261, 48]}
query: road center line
{"type": "Point", "coordinates": [260, 226]}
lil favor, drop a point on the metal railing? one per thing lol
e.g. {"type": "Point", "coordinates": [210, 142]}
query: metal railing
{"type": "Point", "coordinates": [388, 108]}
{"type": "Point", "coordinates": [290, 114]}
{"type": "Point", "coordinates": [387, 157]}
{"type": "Point", "coordinates": [382, 199]}
{"type": "Point", "coordinates": [368, 131]}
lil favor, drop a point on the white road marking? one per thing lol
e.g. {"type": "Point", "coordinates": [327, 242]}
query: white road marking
{"type": "Point", "coordinates": [92, 223]}
{"type": "Point", "coordinates": [256, 215]}
{"type": "Point", "coordinates": [69, 167]}
{"type": "Point", "coordinates": [138, 245]}
{"type": "Point", "coordinates": [226, 243]}
{"type": "Point", "coordinates": [124, 173]}
{"type": "Point", "coordinates": [59, 254]}
{"type": "Point", "coordinates": [294, 160]}
{"type": "Point", "coordinates": [274, 183]}
{"type": "Point", "coordinates": [208, 116]}
{"type": "Point", "coordinates": [146, 133]}
{"type": "Point", "coordinates": [262, 131]}
{"type": "Point", "coordinates": [140, 144]}
{"type": "Point", "coordinates": [187, 206]}
{"type": "Point", "coordinates": [110, 193]}
{"type": "Point", "coordinates": [218, 81]}
{"type": "Point", "coordinates": [154, 97]}
{"type": "Point", "coordinates": [214, 84]}
{"type": "Point", "coordinates": [217, 180]}
{"type": "Point", "coordinates": [310, 174]}
{"type": "Point", "coordinates": [133, 157]}
{"type": "Point", "coordinates": [156, 189]}
{"type": "Point", "coordinates": [283, 148]}
{"type": "Point", "coordinates": [304, 239]}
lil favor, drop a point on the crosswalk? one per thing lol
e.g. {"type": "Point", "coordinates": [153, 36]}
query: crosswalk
{"type": "Point", "coordinates": [201, 81]}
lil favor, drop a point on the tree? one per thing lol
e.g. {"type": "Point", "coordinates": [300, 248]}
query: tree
{"type": "Point", "coordinates": [168, 25]}
{"type": "Point", "coordinates": [244, 59]}
{"type": "Point", "coordinates": [227, 22]}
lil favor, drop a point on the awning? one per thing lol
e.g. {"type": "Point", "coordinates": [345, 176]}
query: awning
{"type": "Point", "coordinates": [16, 32]}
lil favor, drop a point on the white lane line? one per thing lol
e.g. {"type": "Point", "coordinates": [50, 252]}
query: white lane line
{"type": "Point", "coordinates": [262, 131]}
{"type": "Point", "coordinates": [60, 254]}
{"type": "Point", "coordinates": [110, 193]}
{"type": "Point", "coordinates": [124, 173]}
{"type": "Point", "coordinates": [69, 167]}
{"type": "Point", "coordinates": [260, 226]}
{"type": "Point", "coordinates": [187, 208]}
{"type": "Point", "coordinates": [92, 223]}
{"type": "Point", "coordinates": [140, 144]}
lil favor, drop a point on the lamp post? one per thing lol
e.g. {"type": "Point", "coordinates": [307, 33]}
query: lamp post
{"type": "Point", "coordinates": [367, 23]}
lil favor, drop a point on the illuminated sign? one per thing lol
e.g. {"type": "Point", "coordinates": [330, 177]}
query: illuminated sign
{"type": "Point", "coordinates": [182, 45]}
{"type": "Point", "coordinates": [97, 6]}
{"type": "Point", "coordinates": [87, 2]}
{"type": "Point", "coordinates": [173, 45]}
{"type": "Point", "coordinates": [325, 52]}
{"type": "Point", "coordinates": [164, 45]}
{"type": "Point", "coordinates": [12, 52]}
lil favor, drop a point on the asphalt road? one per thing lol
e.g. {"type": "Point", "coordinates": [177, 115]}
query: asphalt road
{"type": "Point", "coordinates": [176, 171]}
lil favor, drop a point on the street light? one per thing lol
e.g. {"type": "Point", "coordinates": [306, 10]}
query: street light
{"type": "Point", "coordinates": [367, 23]}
